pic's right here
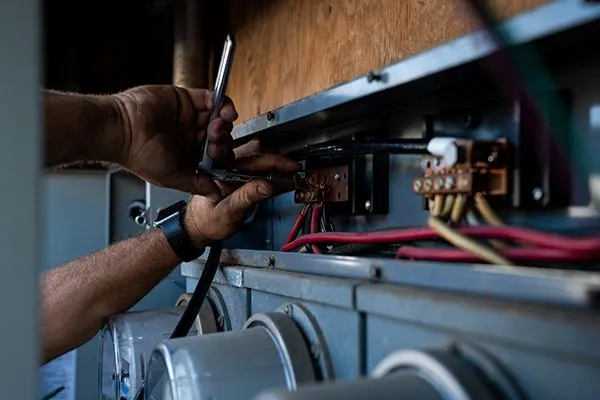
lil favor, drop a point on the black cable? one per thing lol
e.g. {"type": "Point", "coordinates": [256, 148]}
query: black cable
{"type": "Point", "coordinates": [187, 319]}
{"type": "Point", "coordinates": [390, 146]}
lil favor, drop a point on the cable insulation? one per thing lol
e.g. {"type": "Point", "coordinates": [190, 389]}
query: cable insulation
{"type": "Point", "coordinates": [297, 225]}
{"type": "Point", "coordinates": [513, 253]}
{"type": "Point", "coordinates": [465, 243]}
{"type": "Point", "coordinates": [314, 225]}
{"type": "Point", "coordinates": [546, 240]}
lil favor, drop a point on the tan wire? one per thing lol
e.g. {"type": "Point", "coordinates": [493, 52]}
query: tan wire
{"type": "Point", "coordinates": [438, 205]}
{"type": "Point", "coordinates": [430, 205]}
{"type": "Point", "coordinates": [458, 209]}
{"type": "Point", "coordinates": [465, 243]}
{"type": "Point", "coordinates": [448, 206]}
{"type": "Point", "coordinates": [486, 211]}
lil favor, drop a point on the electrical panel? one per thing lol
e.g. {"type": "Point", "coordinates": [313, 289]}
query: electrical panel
{"type": "Point", "coordinates": [441, 240]}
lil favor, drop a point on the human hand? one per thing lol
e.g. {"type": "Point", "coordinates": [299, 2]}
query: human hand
{"type": "Point", "coordinates": [208, 220]}
{"type": "Point", "coordinates": [164, 127]}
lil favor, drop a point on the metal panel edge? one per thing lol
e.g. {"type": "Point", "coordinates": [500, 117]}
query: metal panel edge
{"type": "Point", "coordinates": [526, 27]}
{"type": "Point", "coordinates": [314, 288]}
{"type": "Point", "coordinates": [559, 331]}
{"type": "Point", "coordinates": [560, 287]}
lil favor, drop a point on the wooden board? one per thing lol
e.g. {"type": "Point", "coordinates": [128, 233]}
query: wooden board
{"type": "Point", "coordinates": [289, 49]}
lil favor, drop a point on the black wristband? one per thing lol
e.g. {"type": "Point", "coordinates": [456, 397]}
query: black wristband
{"type": "Point", "coordinates": [174, 231]}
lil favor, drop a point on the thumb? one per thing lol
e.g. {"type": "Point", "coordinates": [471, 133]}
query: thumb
{"type": "Point", "coordinates": [203, 185]}
{"type": "Point", "coordinates": [241, 201]}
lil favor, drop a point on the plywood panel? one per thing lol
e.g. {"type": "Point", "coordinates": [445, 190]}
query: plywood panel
{"type": "Point", "coordinates": [289, 49]}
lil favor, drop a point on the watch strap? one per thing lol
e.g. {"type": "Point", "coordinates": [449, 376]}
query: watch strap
{"type": "Point", "coordinates": [177, 237]}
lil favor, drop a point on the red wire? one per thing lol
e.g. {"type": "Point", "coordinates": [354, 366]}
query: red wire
{"type": "Point", "coordinates": [590, 245]}
{"type": "Point", "coordinates": [513, 253]}
{"type": "Point", "coordinates": [314, 225]}
{"type": "Point", "coordinates": [297, 225]}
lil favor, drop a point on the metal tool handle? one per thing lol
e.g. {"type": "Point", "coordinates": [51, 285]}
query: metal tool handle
{"type": "Point", "coordinates": [219, 95]}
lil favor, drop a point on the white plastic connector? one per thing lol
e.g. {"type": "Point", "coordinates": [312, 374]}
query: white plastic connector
{"type": "Point", "coordinates": [444, 148]}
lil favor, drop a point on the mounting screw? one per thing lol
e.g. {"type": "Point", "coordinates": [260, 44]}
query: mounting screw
{"type": "Point", "coordinates": [315, 350]}
{"type": "Point", "coordinates": [449, 182]}
{"type": "Point", "coordinates": [271, 261]}
{"type": "Point", "coordinates": [287, 309]}
{"type": "Point", "coordinates": [337, 176]}
{"type": "Point", "coordinates": [439, 183]}
{"type": "Point", "coordinates": [221, 321]}
{"type": "Point", "coordinates": [428, 184]}
{"type": "Point", "coordinates": [270, 115]}
{"type": "Point", "coordinates": [537, 194]}
{"type": "Point", "coordinates": [417, 185]}
{"type": "Point", "coordinates": [368, 205]}
{"type": "Point", "coordinates": [373, 76]}
{"type": "Point", "coordinates": [374, 272]}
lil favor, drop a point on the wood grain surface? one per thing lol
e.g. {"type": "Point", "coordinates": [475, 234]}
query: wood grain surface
{"type": "Point", "coordinates": [289, 49]}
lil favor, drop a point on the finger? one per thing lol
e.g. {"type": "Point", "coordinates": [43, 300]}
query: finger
{"type": "Point", "coordinates": [220, 144]}
{"type": "Point", "coordinates": [265, 163]}
{"type": "Point", "coordinates": [222, 153]}
{"type": "Point", "coordinates": [202, 185]}
{"type": "Point", "coordinates": [255, 146]}
{"type": "Point", "coordinates": [228, 111]}
{"type": "Point", "coordinates": [201, 98]}
{"type": "Point", "coordinates": [240, 202]}
{"type": "Point", "coordinates": [219, 129]}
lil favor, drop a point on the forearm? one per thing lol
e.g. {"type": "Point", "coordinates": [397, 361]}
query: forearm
{"type": "Point", "coordinates": [81, 127]}
{"type": "Point", "coordinates": [79, 296]}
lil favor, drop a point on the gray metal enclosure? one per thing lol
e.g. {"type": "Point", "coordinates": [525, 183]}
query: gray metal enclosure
{"type": "Point", "coordinates": [529, 332]}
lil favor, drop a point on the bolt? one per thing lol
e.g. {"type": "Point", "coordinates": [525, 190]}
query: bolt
{"type": "Point", "coordinates": [417, 185]}
{"type": "Point", "coordinates": [287, 309]}
{"type": "Point", "coordinates": [315, 350]}
{"type": "Point", "coordinates": [439, 183]}
{"type": "Point", "coordinates": [271, 261]}
{"type": "Point", "coordinates": [368, 205]}
{"type": "Point", "coordinates": [537, 194]}
{"type": "Point", "coordinates": [427, 184]}
{"type": "Point", "coordinates": [337, 176]}
{"type": "Point", "coordinates": [449, 182]}
{"type": "Point", "coordinates": [270, 115]}
{"type": "Point", "coordinates": [373, 76]}
{"type": "Point", "coordinates": [463, 182]}
{"type": "Point", "coordinates": [221, 320]}
{"type": "Point", "coordinates": [374, 272]}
